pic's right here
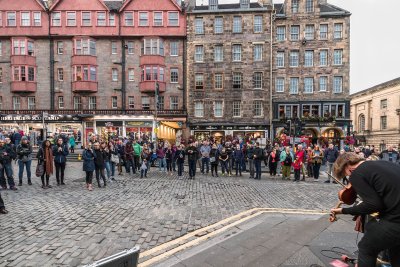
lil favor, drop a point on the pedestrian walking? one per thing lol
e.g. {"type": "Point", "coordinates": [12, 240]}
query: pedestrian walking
{"type": "Point", "coordinates": [316, 157]}
{"type": "Point", "coordinates": [214, 159]}
{"type": "Point", "coordinates": [45, 157]}
{"type": "Point", "coordinates": [99, 164]}
{"type": "Point", "coordinates": [88, 165]}
{"type": "Point", "coordinates": [60, 153]}
{"type": "Point", "coordinates": [24, 155]}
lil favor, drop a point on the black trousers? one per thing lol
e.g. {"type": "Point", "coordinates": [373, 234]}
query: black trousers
{"type": "Point", "coordinates": [47, 179]}
{"type": "Point", "coordinates": [214, 168]}
{"type": "Point", "coordinates": [100, 172]}
{"type": "Point", "coordinates": [1, 203]}
{"type": "Point", "coordinates": [192, 168]}
{"type": "Point", "coordinates": [60, 168]}
{"type": "Point", "coordinates": [89, 177]}
{"type": "Point", "coordinates": [136, 159]}
{"type": "Point", "coordinates": [379, 236]}
{"type": "Point", "coordinates": [180, 168]}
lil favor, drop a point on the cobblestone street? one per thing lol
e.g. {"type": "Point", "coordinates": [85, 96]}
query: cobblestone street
{"type": "Point", "coordinates": [70, 226]}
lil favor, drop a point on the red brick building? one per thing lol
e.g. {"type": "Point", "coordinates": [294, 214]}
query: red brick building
{"type": "Point", "coordinates": [92, 66]}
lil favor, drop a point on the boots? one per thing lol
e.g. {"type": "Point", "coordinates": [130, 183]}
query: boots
{"type": "Point", "coordinates": [62, 180]}
{"type": "Point", "coordinates": [47, 182]}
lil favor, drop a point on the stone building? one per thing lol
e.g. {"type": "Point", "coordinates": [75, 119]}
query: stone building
{"type": "Point", "coordinates": [93, 66]}
{"type": "Point", "coordinates": [311, 63]}
{"type": "Point", "coordinates": [228, 69]}
{"type": "Point", "coordinates": [375, 113]}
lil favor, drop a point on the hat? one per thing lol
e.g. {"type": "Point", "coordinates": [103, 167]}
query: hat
{"type": "Point", "coordinates": [24, 138]}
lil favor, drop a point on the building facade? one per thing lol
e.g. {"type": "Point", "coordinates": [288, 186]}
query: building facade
{"type": "Point", "coordinates": [93, 66]}
{"type": "Point", "coordinates": [228, 69]}
{"type": "Point", "coordinates": [375, 113]}
{"type": "Point", "coordinates": [311, 63]}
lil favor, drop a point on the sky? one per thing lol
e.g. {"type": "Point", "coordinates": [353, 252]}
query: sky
{"type": "Point", "coordinates": [374, 40]}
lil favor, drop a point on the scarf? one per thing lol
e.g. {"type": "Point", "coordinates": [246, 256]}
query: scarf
{"type": "Point", "coordinates": [48, 155]}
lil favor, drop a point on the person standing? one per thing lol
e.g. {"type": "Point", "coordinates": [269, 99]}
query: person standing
{"type": "Point", "coordinates": [16, 137]}
{"type": "Point", "coordinates": [378, 185]}
{"type": "Point", "coordinates": [174, 148]}
{"type": "Point", "coordinates": [238, 158]}
{"type": "Point", "coordinates": [180, 159]}
{"type": "Point", "coordinates": [192, 153]}
{"type": "Point", "coordinates": [137, 151]}
{"type": "Point", "coordinates": [300, 156]}
{"type": "Point", "coordinates": [297, 166]}
{"type": "Point", "coordinates": [286, 159]}
{"type": "Point", "coordinates": [114, 159]}
{"type": "Point", "coordinates": [45, 157]}
{"type": "Point", "coordinates": [331, 154]}
{"type": "Point", "coordinates": [88, 165]}
{"type": "Point", "coordinates": [24, 153]}
{"type": "Point", "coordinates": [316, 157]}
{"type": "Point", "coordinates": [107, 159]}
{"type": "Point", "coordinates": [273, 162]}
{"type": "Point", "coordinates": [309, 162]}
{"type": "Point", "coordinates": [214, 158]}
{"type": "Point", "coordinates": [145, 165]}
{"type": "Point", "coordinates": [205, 156]}
{"type": "Point", "coordinates": [129, 159]}
{"type": "Point", "coordinates": [7, 154]}
{"type": "Point", "coordinates": [72, 143]}
{"type": "Point", "coordinates": [99, 164]}
{"type": "Point", "coordinates": [60, 153]}
{"type": "Point", "coordinates": [258, 157]}
{"type": "Point", "coordinates": [168, 158]}
{"type": "Point", "coordinates": [390, 155]}
{"type": "Point", "coordinates": [250, 159]}
{"type": "Point", "coordinates": [224, 158]}
{"type": "Point", "coordinates": [161, 157]}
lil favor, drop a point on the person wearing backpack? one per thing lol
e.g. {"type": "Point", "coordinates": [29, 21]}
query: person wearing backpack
{"type": "Point", "coordinates": [286, 159]}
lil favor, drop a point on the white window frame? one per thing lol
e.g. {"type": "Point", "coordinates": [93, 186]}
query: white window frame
{"type": "Point", "coordinates": [258, 106]}
{"type": "Point", "coordinates": [308, 85]}
{"type": "Point", "coordinates": [309, 6]}
{"type": "Point", "coordinates": [219, 29]}
{"type": "Point", "coordinates": [103, 22]}
{"type": "Point", "coordinates": [199, 55]}
{"type": "Point", "coordinates": [218, 82]}
{"type": "Point", "coordinates": [294, 33]}
{"type": "Point", "coordinates": [173, 102]}
{"type": "Point", "coordinates": [338, 31]}
{"type": "Point", "coordinates": [294, 58]}
{"type": "Point", "coordinates": [308, 58]}
{"type": "Point", "coordinates": [309, 32]}
{"type": "Point", "coordinates": [111, 19]}
{"type": "Point", "coordinates": [114, 102]}
{"type": "Point", "coordinates": [323, 60]}
{"type": "Point", "coordinates": [156, 21]}
{"type": "Point", "coordinates": [236, 52]}
{"type": "Point", "coordinates": [258, 52]}
{"type": "Point", "coordinates": [323, 83]}
{"type": "Point", "coordinates": [337, 87]}
{"type": "Point", "coordinates": [67, 18]}
{"type": "Point", "coordinates": [169, 19]}
{"type": "Point", "coordinates": [294, 85]}
{"type": "Point", "coordinates": [37, 19]}
{"type": "Point", "coordinates": [114, 47]}
{"type": "Point", "coordinates": [31, 103]}
{"type": "Point", "coordinates": [174, 70]}
{"type": "Point", "coordinates": [16, 102]}
{"type": "Point", "coordinates": [60, 74]}
{"type": "Point", "coordinates": [131, 47]}
{"type": "Point", "coordinates": [218, 53]}
{"type": "Point", "coordinates": [60, 47]}
{"type": "Point", "coordinates": [56, 14]}
{"type": "Point", "coordinates": [143, 19]}
{"type": "Point", "coordinates": [338, 57]}
{"type": "Point", "coordinates": [26, 20]}
{"type": "Point", "coordinates": [237, 28]}
{"type": "Point", "coordinates": [83, 13]}
{"type": "Point", "coordinates": [131, 102]}
{"type": "Point", "coordinates": [92, 103]}
{"type": "Point", "coordinates": [279, 84]}
{"type": "Point", "coordinates": [15, 18]}
{"type": "Point", "coordinates": [77, 102]}
{"type": "Point", "coordinates": [237, 80]}
{"type": "Point", "coordinates": [237, 109]}
{"type": "Point", "coordinates": [258, 25]}
{"type": "Point", "coordinates": [131, 75]}
{"type": "Point", "coordinates": [218, 110]}
{"type": "Point", "coordinates": [174, 47]}
{"type": "Point", "coordinates": [280, 59]}
{"type": "Point", "coordinates": [130, 24]}
{"type": "Point", "coordinates": [61, 102]}
{"type": "Point", "coordinates": [198, 109]}
{"type": "Point", "coordinates": [198, 25]}
{"type": "Point", "coordinates": [258, 83]}
{"type": "Point", "coordinates": [323, 31]}
{"type": "Point", "coordinates": [114, 74]}
{"type": "Point", "coordinates": [280, 36]}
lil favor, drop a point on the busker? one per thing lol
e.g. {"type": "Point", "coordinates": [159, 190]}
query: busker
{"type": "Point", "coordinates": [378, 185]}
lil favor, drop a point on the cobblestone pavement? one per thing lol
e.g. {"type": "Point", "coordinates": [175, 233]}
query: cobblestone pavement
{"type": "Point", "coordinates": [70, 226]}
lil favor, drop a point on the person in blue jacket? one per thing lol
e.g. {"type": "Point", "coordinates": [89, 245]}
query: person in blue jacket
{"type": "Point", "coordinates": [88, 165]}
{"type": "Point", "coordinates": [238, 157]}
{"type": "Point", "coordinates": [60, 153]}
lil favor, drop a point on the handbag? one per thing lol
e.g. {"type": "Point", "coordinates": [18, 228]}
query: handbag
{"type": "Point", "coordinates": [114, 158]}
{"type": "Point", "coordinates": [24, 158]}
{"type": "Point", "coordinates": [39, 169]}
{"type": "Point", "coordinates": [212, 159]}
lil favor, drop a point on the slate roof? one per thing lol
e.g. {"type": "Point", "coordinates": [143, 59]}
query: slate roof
{"type": "Point", "coordinates": [279, 9]}
{"type": "Point", "coordinates": [324, 9]}
{"type": "Point", "coordinates": [113, 5]}
{"type": "Point", "coordinates": [227, 6]}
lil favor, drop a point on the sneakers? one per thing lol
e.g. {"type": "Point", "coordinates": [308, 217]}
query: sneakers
{"type": "Point", "coordinates": [327, 182]}
{"type": "Point", "coordinates": [29, 183]}
{"type": "Point", "coordinates": [3, 211]}
{"type": "Point", "coordinates": [20, 184]}
{"type": "Point", "coordinates": [90, 188]}
{"type": "Point", "coordinates": [13, 188]}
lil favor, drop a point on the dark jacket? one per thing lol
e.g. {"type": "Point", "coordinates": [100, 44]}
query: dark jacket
{"type": "Point", "coordinates": [331, 155]}
{"type": "Point", "coordinates": [180, 156]}
{"type": "Point", "coordinates": [60, 156]}
{"type": "Point", "coordinates": [192, 153]}
{"type": "Point", "coordinates": [24, 150]}
{"type": "Point", "coordinates": [238, 155]}
{"type": "Point", "coordinates": [10, 154]}
{"type": "Point", "coordinates": [250, 153]}
{"type": "Point", "coordinates": [88, 160]}
{"type": "Point", "coordinates": [99, 160]}
{"type": "Point", "coordinates": [214, 153]}
{"type": "Point", "coordinates": [258, 153]}
{"type": "Point", "coordinates": [129, 151]}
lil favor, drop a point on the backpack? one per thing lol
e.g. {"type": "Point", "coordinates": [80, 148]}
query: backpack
{"type": "Point", "coordinates": [288, 160]}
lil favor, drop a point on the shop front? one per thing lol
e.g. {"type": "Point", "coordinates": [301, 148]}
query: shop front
{"type": "Point", "coordinates": [229, 133]}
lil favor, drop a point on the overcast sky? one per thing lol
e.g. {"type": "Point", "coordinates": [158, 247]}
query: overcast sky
{"type": "Point", "coordinates": [375, 40]}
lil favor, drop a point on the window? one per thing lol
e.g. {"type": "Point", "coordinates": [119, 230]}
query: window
{"type": "Point", "coordinates": [1, 102]}
{"type": "Point", "coordinates": [131, 102]}
{"type": "Point", "coordinates": [60, 102]}
{"type": "Point", "coordinates": [383, 122]}
{"type": "Point", "coordinates": [294, 85]}
{"type": "Point", "coordinates": [31, 103]}
{"type": "Point", "coordinates": [338, 33]}
{"type": "Point", "coordinates": [198, 56]}
{"type": "Point", "coordinates": [280, 84]}
{"type": "Point", "coordinates": [213, 4]}
{"type": "Point", "coordinates": [131, 75]}
{"type": "Point", "coordinates": [1, 22]}
{"type": "Point", "coordinates": [60, 74]}
{"type": "Point", "coordinates": [337, 57]}
{"type": "Point", "coordinates": [237, 105]}
{"type": "Point", "coordinates": [236, 52]}
{"type": "Point", "coordinates": [115, 75]}
{"type": "Point", "coordinates": [16, 103]}
{"type": "Point", "coordinates": [114, 47]}
{"type": "Point", "coordinates": [323, 31]}
{"type": "Point", "coordinates": [37, 18]}
{"type": "Point", "coordinates": [152, 73]}
{"type": "Point", "coordinates": [111, 19]}
{"type": "Point", "coordinates": [11, 19]}
{"type": "Point", "coordinates": [25, 18]}
{"type": "Point", "coordinates": [174, 48]}
{"type": "Point", "coordinates": [173, 102]}
{"type": "Point", "coordinates": [218, 81]}
{"type": "Point", "coordinates": [295, 6]}
{"type": "Point", "coordinates": [323, 57]}
{"type": "Point", "coordinates": [361, 123]}
{"type": "Point", "coordinates": [384, 103]}
{"type": "Point", "coordinates": [257, 80]}
{"type": "Point", "coordinates": [258, 24]}
{"type": "Point", "coordinates": [294, 59]}
{"type": "Point", "coordinates": [281, 33]}
{"type": "Point", "coordinates": [308, 85]}
{"type": "Point", "coordinates": [153, 47]}
{"type": "Point", "coordinates": [198, 26]}
{"type": "Point", "coordinates": [237, 24]}
{"type": "Point", "coordinates": [86, 18]}
{"type": "Point", "coordinates": [101, 18]}
{"type": "Point", "coordinates": [1, 75]}
{"type": "Point", "coordinates": [237, 82]}
{"type": "Point", "coordinates": [309, 6]}
{"type": "Point", "coordinates": [257, 108]}
{"type": "Point", "coordinates": [309, 58]}
{"type": "Point", "coordinates": [160, 102]}
{"type": "Point", "coordinates": [1, 45]}
{"type": "Point", "coordinates": [143, 19]}
{"type": "Point", "coordinates": [258, 52]}
{"type": "Point", "coordinates": [218, 108]}
{"type": "Point", "coordinates": [131, 47]}
{"type": "Point", "coordinates": [295, 33]}
{"type": "Point", "coordinates": [158, 18]}
{"type": "Point", "coordinates": [77, 102]}
{"type": "Point", "coordinates": [71, 19]}
{"type": "Point", "coordinates": [23, 74]}
{"type": "Point", "coordinates": [85, 47]}
{"type": "Point", "coordinates": [114, 102]}
{"type": "Point", "coordinates": [198, 109]}
{"type": "Point", "coordinates": [323, 84]}
{"type": "Point", "coordinates": [310, 110]}
{"type": "Point", "coordinates": [218, 53]}
{"type": "Point", "coordinates": [309, 34]}
{"type": "Point", "coordinates": [128, 18]}
{"type": "Point", "coordinates": [56, 19]}
{"type": "Point", "coordinates": [218, 25]}
{"type": "Point", "coordinates": [334, 110]}
{"type": "Point", "coordinates": [23, 47]}
{"type": "Point", "coordinates": [244, 3]}
{"type": "Point", "coordinates": [174, 75]}
{"type": "Point", "coordinates": [85, 73]}
{"type": "Point", "coordinates": [60, 47]}
{"type": "Point", "coordinates": [280, 59]}
{"type": "Point", "coordinates": [173, 19]}
{"type": "Point", "coordinates": [288, 111]}
{"type": "Point", "coordinates": [199, 81]}
{"type": "Point", "coordinates": [92, 102]}
{"type": "Point", "coordinates": [337, 84]}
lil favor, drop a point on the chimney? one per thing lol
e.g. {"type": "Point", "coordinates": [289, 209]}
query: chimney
{"type": "Point", "coordinates": [265, 3]}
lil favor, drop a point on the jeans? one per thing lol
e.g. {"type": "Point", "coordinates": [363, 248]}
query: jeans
{"type": "Point", "coordinates": [243, 165]}
{"type": "Point", "coordinates": [180, 168]}
{"type": "Point", "coordinates": [100, 172]}
{"type": "Point", "coordinates": [251, 167]}
{"type": "Point", "coordinates": [89, 177]}
{"type": "Point", "coordinates": [272, 168]}
{"type": "Point", "coordinates": [128, 164]}
{"type": "Point", "coordinates": [224, 166]}
{"type": "Point", "coordinates": [192, 168]}
{"type": "Point", "coordinates": [214, 169]}
{"type": "Point", "coordinates": [21, 166]}
{"type": "Point", "coordinates": [205, 161]}
{"type": "Point", "coordinates": [296, 174]}
{"type": "Point", "coordinates": [174, 164]}
{"type": "Point", "coordinates": [257, 165]}
{"type": "Point", "coordinates": [60, 167]}
{"type": "Point", "coordinates": [163, 162]}
{"type": "Point", "coordinates": [316, 167]}
{"type": "Point", "coordinates": [7, 169]}
{"type": "Point", "coordinates": [144, 172]}
{"type": "Point", "coordinates": [278, 168]}
{"type": "Point", "coordinates": [107, 165]}
{"type": "Point", "coordinates": [379, 236]}
{"type": "Point", "coordinates": [330, 169]}
{"type": "Point", "coordinates": [238, 167]}
{"type": "Point", "coordinates": [310, 169]}
{"type": "Point", "coordinates": [136, 158]}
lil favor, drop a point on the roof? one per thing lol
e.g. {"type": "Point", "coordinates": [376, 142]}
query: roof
{"type": "Point", "coordinates": [378, 87]}
{"type": "Point", "coordinates": [279, 9]}
{"type": "Point", "coordinates": [113, 5]}
{"type": "Point", "coordinates": [325, 9]}
{"type": "Point", "coordinates": [128, 1]}
{"type": "Point", "coordinates": [226, 6]}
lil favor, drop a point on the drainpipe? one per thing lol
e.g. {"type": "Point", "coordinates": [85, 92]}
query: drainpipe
{"type": "Point", "coordinates": [184, 73]}
{"type": "Point", "coordinates": [123, 65]}
{"type": "Point", "coordinates": [271, 128]}
{"type": "Point", "coordinates": [51, 61]}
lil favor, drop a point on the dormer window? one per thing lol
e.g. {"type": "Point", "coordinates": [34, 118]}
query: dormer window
{"type": "Point", "coordinates": [213, 4]}
{"type": "Point", "coordinates": [244, 3]}
{"type": "Point", "coordinates": [295, 6]}
{"type": "Point", "coordinates": [309, 6]}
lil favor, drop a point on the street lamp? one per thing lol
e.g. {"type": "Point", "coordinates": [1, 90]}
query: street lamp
{"type": "Point", "coordinates": [44, 126]}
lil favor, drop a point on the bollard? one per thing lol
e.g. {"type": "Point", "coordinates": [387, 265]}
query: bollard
{"type": "Point", "coordinates": [79, 157]}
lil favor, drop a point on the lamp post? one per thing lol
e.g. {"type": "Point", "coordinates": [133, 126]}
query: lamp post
{"type": "Point", "coordinates": [44, 126]}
